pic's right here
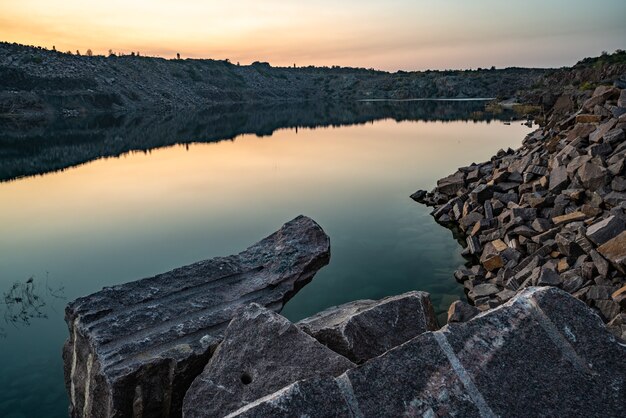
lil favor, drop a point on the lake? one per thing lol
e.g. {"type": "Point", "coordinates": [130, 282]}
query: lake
{"type": "Point", "coordinates": [93, 202]}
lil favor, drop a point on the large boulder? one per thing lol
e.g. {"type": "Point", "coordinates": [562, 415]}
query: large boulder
{"type": "Point", "coordinates": [135, 348]}
{"type": "Point", "coordinates": [261, 353]}
{"type": "Point", "coordinates": [365, 329]}
{"type": "Point", "coordinates": [543, 353]}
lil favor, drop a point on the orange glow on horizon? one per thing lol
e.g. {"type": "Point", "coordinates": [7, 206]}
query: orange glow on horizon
{"type": "Point", "coordinates": [391, 35]}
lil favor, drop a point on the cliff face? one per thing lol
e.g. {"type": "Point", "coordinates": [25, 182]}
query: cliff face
{"type": "Point", "coordinates": [35, 82]}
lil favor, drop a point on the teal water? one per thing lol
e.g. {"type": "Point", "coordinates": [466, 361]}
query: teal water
{"type": "Point", "coordinates": [211, 185]}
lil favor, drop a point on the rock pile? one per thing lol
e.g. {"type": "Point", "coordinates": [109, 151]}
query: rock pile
{"type": "Point", "coordinates": [543, 353]}
{"type": "Point", "coordinates": [552, 213]}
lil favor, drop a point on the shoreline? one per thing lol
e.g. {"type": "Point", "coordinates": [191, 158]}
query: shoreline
{"type": "Point", "coordinates": [551, 213]}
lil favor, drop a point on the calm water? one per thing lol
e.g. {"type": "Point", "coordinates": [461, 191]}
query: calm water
{"type": "Point", "coordinates": [188, 196]}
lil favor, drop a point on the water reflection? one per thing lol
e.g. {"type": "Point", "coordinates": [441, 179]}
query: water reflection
{"type": "Point", "coordinates": [25, 301]}
{"type": "Point", "coordinates": [63, 143]}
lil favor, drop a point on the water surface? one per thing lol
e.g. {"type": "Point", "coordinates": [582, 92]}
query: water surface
{"type": "Point", "coordinates": [188, 195]}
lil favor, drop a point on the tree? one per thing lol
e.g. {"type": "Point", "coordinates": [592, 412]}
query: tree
{"type": "Point", "coordinates": [77, 52]}
{"type": "Point", "coordinates": [178, 55]}
{"type": "Point", "coordinates": [89, 53]}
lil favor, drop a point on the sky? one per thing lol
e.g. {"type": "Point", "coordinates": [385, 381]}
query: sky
{"type": "Point", "coordinates": [390, 35]}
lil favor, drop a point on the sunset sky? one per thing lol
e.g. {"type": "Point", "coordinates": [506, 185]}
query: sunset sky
{"type": "Point", "coordinates": [390, 34]}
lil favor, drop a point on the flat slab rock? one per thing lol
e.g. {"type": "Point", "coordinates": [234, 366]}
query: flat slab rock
{"type": "Point", "coordinates": [261, 353]}
{"type": "Point", "coordinates": [134, 349]}
{"type": "Point", "coordinates": [365, 329]}
{"type": "Point", "coordinates": [543, 353]}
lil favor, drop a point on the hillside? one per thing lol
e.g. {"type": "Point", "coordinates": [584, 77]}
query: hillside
{"type": "Point", "coordinates": [37, 82]}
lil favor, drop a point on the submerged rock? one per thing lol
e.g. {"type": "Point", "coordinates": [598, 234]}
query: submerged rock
{"type": "Point", "coordinates": [365, 329]}
{"type": "Point", "coordinates": [261, 353]}
{"type": "Point", "coordinates": [543, 353]}
{"type": "Point", "coordinates": [135, 348]}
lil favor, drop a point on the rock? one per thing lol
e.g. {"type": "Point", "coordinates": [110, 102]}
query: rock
{"type": "Point", "coordinates": [570, 217]}
{"type": "Point", "coordinates": [365, 329]}
{"type": "Point", "coordinates": [586, 118]}
{"type": "Point", "coordinates": [135, 348]}
{"type": "Point", "coordinates": [602, 231]}
{"type": "Point", "coordinates": [621, 102]}
{"type": "Point", "coordinates": [600, 149]}
{"type": "Point", "coordinates": [600, 263]}
{"type": "Point", "coordinates": [599, 292]}
{"type": "Point", "coordinates": [614, 250]}
{"type": "Point", "coordinates": [558, 179]}
{"type": "Point", "coordinates": [315, 397]}
{"type": "Point", "coordinates": [544, 346]}
{"type": "Point", "coordinates": [527, 214]}
{"type": "Point", "coordinates": [614, 136]}
{"type": "Point", "coordinates": [482, 290]}
{"type": "Point", "coordinates": [618, 326]}
{"type": "Point", "coordinates": [548, 277]}
{"type": "Point", "coordinates": [601, 130]}
{"type": "Point", "coordinates": [469, 220]}
{"type": "Point", "coordinates": [419, 195]}
{"type": "Point", "coordinates": [261, 353]}
{"type": "Point", "coordinates": [493, 262]}
{"type": "Point", "coordinates": [451, 184]}
{"type": "Point", "coordinates": [592, 175]}
{"type": "Point", "coordinates": [481, 194]}
{"type": "Point", "coordinates": [608, 309]}
{"type": "Point", "coordinates": [460, 311]}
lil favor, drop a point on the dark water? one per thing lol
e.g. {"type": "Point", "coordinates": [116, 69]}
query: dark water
{"type": "Point", "coordinates": [177, 188]}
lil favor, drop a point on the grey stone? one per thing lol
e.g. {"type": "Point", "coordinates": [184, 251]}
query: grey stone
{"type": "Point", "coordinates": [600, 149]}
{"type": "Point", "coordinates": [601, 130]}
{"type": "Point", "coordinates": [602, 231]}
{"type": "Point", "coordinates": [261, 353]}
{"type": "Point", "coordinates": [543, 353]}
{"type": "Point", "coordinates": [526, 214]}
{"type": "Point", "coordinates": [314, 398]}
{"type": "Point", "coordinates": [548, 277]}
{"type": "Point", "coordinates": [484, 289]}
{"type": "Point", "coordinates": [419, 195]}
{"type": "Point", "coordinates": [460, 311]}
{"type": "Point", "coordinates": [481, 194]}
{"type": "Point", "coordinates": [601, 264]}
{"type": "Point", "coordinates": [592, 175]}
{"type": "Point", "coordinates": [362, 330]}
{"type": "Point", "coordinates": [135, 348]}
{"type": "Point", "coordinates": [451, 184]}
{"type": "Point", "coordinates": [599, 292]}
{"type": "Point", "coordinates": [614, 199]}
{"type": "Point", "coordinates": [614, 136]}
{"type": "Point", "coordinates": [558, 179]}
{"type": "Point", "coordinates": [621, 102]}
{"type": "Point", "coordinates": [469, 220]}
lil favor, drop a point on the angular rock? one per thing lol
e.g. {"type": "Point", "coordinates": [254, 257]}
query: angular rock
{"type": "Point", "coordinates": [548, 277]}
{"type": "Point", "coordinates": [592, 175]}
{"type": "Point", "coordinates": [481, 194]}
{"type": "Point", "coordinates": [365, 329]}
{"type": "Point", "coordinates": [261, 353]}
{"type": "Point", "coordinates": [545, 347]}
{"type": "Point", "coordinates": [135, 348]}
{"type": "Point", "coordinates": [602, 231]}
{"type": "Point", "coordinates": [482, 290]}
{"type": "Point", "coordinates": [460, 311]}
{"type": "Point", "coordinates": [586, 118]}
{"type": "Point", "coordinates": [614, 250]}
{"type": "Point", "coordinates": [419, 195]}
{"type": "Point", "coordinates": [558, 179]}
{"type": "Point", "coordinates": [451, 184]}
{"type": "Point", "coordinates": [570, 217]}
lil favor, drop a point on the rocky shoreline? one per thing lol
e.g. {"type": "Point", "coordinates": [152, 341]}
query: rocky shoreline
{"type": "Point", "coordinates": [552, 213]}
